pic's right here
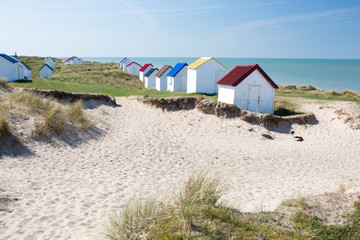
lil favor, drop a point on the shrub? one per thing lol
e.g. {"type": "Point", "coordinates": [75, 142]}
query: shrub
{"type": "Point", "coordinates": [285, 108]}
{"type": "Point", "coordinates": [4, 83]}
{"type": "Point", "coordinates": [4, 127]}
{"type": "Point", "coordinates": [77, 116]}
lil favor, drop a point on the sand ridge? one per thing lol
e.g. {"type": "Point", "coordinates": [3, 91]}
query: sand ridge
{"type": "Point", "coordinates": [66, 191]}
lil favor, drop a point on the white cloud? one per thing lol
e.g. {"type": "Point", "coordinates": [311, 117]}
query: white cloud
{"type": "Point", "coordinates": [294, 18]}
{"type": "Point", "coordinates": [141, 16]}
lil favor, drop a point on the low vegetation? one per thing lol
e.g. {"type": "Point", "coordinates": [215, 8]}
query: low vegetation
{"type": "Point", "coordinates": [195, 213]}
{"type": "Point", "coordinates": [25, 110]}
{"type": "Point", "coordinates": [311, 92]}
{"type": "Point", "coordinates": [285, 108]}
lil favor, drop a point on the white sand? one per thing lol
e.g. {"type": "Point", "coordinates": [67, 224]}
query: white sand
{"type": "Point", "coordinates": [65, 192]}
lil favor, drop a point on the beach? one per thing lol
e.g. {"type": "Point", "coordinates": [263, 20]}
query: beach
{"type": "Point", "coordinates": [67, 188]}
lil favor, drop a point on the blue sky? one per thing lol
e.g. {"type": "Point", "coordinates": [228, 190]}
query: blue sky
{"type": "Point", "coordinates": [186, 28]}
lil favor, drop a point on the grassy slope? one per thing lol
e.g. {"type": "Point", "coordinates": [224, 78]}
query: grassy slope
{"type": "Point", "coordinates": [91, 77]}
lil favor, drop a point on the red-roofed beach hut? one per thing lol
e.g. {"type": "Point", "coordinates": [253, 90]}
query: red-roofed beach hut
{"type": "Point", "coordinates": [144, 70]}
{"type": "Point", "coordinates": [249, 88]}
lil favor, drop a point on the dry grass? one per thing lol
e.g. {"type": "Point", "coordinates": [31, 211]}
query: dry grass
{"type": "Point", "coordinates": [134, 220]}
{"type": "Point", "coordinates": [194, 213]}
{"type": "Point", "coordinates": [312, 92]}
{"type": "Point", "coordinates": [299, 202]}
{"type": "Point", "coordinates": [286, 108]}
{"type": "Point", "coordinates": [4, 126]}
{"type": "Point", "coordinates": [51, 117]}
{"type": "Point", "coordinates": [4, 83]}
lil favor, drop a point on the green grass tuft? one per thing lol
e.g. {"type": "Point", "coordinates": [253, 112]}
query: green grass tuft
{"type": "Point", "coordinates": [195, 213]}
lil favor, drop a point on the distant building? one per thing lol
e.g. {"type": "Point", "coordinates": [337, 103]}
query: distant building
{"type": "Point", "coordinates": [11, 68]}
{"type": "Point", "coordinates": [203, 75]}
{"type": "Point", "coordinates": [161, 78]}
{"type": "Point", "coordinates": [74, 60]}
{"type": "Point", "coordinates": [50, 61]}
{"type": "Point", "coordinates": [27, 71]}
{"type": "Point", "coordinates": [133, 68]}
{"type": "Point", "coordinates": [46, 71]}
{"type": "Point", "coordinates": [125, 61]}
{"type": "Point", "coordinates": [177, 78]}
{"type": "Point", "coordinates": [249, 88]}
{"type": "Point", "coordinates": [143, 70]}
{"type": "Point", "coordinates": [149, 78]}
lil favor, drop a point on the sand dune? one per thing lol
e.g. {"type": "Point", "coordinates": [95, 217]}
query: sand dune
{"type": "Point", "coordinates": [65, 191]}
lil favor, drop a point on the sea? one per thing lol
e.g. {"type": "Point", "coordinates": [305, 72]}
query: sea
{"type": "Point", "coordinates": [327, 74]}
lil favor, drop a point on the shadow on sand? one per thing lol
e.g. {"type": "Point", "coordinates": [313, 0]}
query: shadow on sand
{"type": "Point", "coordinates": [13, 147]}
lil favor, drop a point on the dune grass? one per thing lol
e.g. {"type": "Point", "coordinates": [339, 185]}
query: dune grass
{"type": "Point", "coordinates": [311, 92]}
{"type": "Point", "coordinates": [51, 117]}
{"type": "Point", "coordinates": [195, 213]}
{"type": "Point", "coordinates": [286, 108]}
{"type": "Point", "coordinates": [4, 83]}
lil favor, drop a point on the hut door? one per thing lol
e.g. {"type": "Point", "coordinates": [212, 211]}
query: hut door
{"type": "Point", "coordinates": [254, 98]}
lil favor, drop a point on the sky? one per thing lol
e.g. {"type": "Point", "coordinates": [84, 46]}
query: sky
{"type": "Point", "coordinates": [186, 28]}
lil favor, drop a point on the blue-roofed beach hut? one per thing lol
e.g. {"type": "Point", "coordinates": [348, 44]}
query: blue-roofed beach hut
{"type": "Point", "coordinates": [150, 78]}
{"type": "Point", "coordinates": [177, 78]}
{"type": "Point", "coordinates": [11, 68]}
{"type": "Point", "coordinates": [124, 62]}
{"type": "Point", "coordinates": [46, 71]}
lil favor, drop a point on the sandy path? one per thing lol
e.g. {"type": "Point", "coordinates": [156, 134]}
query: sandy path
{"type": "Point", "coordinates": [65, 191]}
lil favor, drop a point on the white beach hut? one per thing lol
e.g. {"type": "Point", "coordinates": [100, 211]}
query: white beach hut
{"type": "Point", "coordinates": [203, 75]}
{"type": "Point", "coordinates": [249, 88]}
{"type": "Point", "coordinates": [125, 61]}
{"type": "Point", "coordinates": [11, 68]}
{"type": "Point", "coordinates": [161, 78]}
{"type": "Point", "coordinates": [149, 78]}
{"type": "Point", "coordinates": [46, 71]}
{"type": "Point", "coordinates": [177, 78]}
{"type": "Point", "coordinates": [50, 61]}
{"type": "Point", "coordinates": [27, 70]}
{"type": "Point", "coordinates": [133, 68]}
{"type": "Point", "coordinates": [74, 60]}
{"type": "Point", "coordinates": [143, 70]}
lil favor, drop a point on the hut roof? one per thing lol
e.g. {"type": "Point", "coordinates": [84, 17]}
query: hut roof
{"type": "Point", "coordinates": [145, 67]}
{"type": "Point", "coordinates": [123, 60]}
{"type": "Point", "coordinates": [133, 63]}
{"type": "Point", "coordinates": [45, 65]}
{"type": "Point", "coordinates": [162, 70]}
{"type": "Point", "coordinates": [240, 72]}
{"type": "Point", "coordinates": [150, 72]}
{"type": "Point", "coordinates": [202, 61]}
{"type": "Point", "coordinates": [176, 69]}
{"type": "Point", "coordinates": [25, 65]}
{"type": "Point", "coordinates": [11, 59]}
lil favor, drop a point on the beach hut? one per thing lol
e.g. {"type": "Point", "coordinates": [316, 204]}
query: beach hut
{"type": "Point", "coordinates": [124, 62]}
{"type": "Point", "coordinates": [133, 68]}
{"type": "Point", "coordinates": [11, 68]}
{"type": "Point", "coordinates": [74, 60]}
{"type": "Point", "coordinates": [143, 70]}
{"type": "Point", "coordinates": [50, 61]}
{"type": "Point", "coordinates": [46, 71]}
{"type": "Point", "coordinates": [27, 70]}
{"type": "Point", "coordinates": [177, 78]}
{"type": "Point", "coordinates": [149, 78]}
{"type": "Point", "coordinates": [249, 88]}
{"type": "Point", "coordinates": [161, 78]}
{"type": "Point", "coordinates": [203, 75]}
